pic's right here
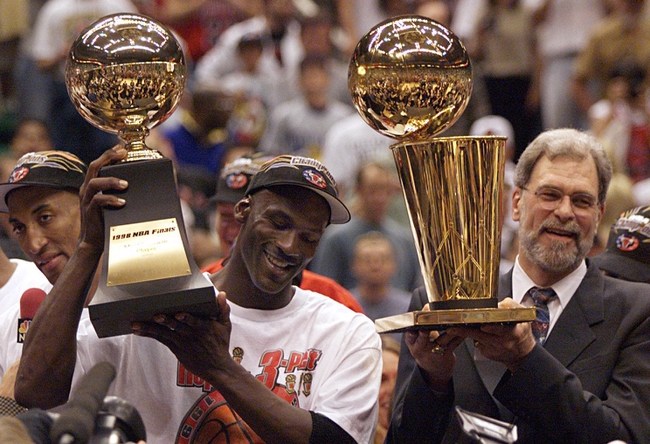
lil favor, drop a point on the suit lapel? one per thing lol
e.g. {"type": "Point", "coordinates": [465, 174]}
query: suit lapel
{"type": "Point", "coordinates": [572, 332]}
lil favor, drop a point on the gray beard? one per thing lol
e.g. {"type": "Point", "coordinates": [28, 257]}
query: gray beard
{"type": "Point", "coordinates": [558, 257]}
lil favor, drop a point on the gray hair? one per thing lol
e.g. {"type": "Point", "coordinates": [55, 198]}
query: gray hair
{"type": "Point", "coordinates": [565, 142]}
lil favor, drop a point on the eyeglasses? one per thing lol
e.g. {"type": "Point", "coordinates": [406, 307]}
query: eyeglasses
{"type": "Point", "coordinates": [550, 199]}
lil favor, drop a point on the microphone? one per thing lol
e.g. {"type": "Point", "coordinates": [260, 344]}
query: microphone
{"type": "Point", "coordinates": [118, 422]}
{"type": "Point", "coordinates": [31, 299]}
{"type": "Point", "coordinates": [76, 421]}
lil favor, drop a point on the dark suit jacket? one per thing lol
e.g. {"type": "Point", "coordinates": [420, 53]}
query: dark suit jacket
{"type": "Point", "coordinates": [590, 383]}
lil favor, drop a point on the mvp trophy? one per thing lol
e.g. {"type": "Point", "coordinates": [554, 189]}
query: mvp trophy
{"type": "Point", "coordinates": [125, 74]}
{"type": "Point", "coordinates": [410, 79]}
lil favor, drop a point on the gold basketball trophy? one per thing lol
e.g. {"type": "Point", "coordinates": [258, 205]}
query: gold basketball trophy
{"type": "Point", "coordinates": [410, 79]}
{"type": "Point", "coordinates": [125, 74]}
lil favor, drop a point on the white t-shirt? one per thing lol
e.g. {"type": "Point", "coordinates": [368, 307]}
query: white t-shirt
{"type": "Point", "coordinates": [59, 22]}
{"type": "Point", "coordinates": [315, 353]}
{"type": "Point", "coordinates": [10, 349]}
{"type": "Point", "coordinates": [349, 144]}
{"type": "Point", "coordinates": [26, 276]}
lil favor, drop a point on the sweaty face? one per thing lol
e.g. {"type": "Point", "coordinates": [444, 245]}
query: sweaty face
{"type": "Point", "coordinates": [227, 226]}
{"type": "Point", "coordinates": [46, 224]}
{"type": "Point", "coordinates": [556, 240]}
{"type": "Point", "coordinates": [281, 231]}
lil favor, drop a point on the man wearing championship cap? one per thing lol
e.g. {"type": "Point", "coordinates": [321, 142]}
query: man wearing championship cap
{"type": "Point", "coordinates": [231, 188]}
{"type": "Point", "coordinates": [627, 255]}
{"type": "Point", "coordinates": [186, 385]}
{"type": "Point", "coordinates": [41, 198]}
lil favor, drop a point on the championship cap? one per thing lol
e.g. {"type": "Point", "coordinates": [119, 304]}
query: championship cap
{"type": "Point", "coordinates": [302, 172]}
{"type": "Point", "coordinates": [235, 178]}
{"type": "Point", "coordinates": [627, 254]}
{"type": "Point", "coordinates": [52, 169]}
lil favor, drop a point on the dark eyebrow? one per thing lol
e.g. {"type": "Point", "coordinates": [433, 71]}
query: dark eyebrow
{"type": "Point", "coordinates": [34, 211]}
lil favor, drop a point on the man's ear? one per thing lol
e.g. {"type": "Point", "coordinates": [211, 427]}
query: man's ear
{"type": "Point", "coordinates": [243, 209]}
{"type": "Point", "coordinates": [516, 202]}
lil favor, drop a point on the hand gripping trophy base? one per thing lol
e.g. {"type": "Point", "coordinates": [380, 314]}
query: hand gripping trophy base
{"type": "Point", "coordinates": [440, 319]}
{"type": "Point", "coordinates": [146, 268]}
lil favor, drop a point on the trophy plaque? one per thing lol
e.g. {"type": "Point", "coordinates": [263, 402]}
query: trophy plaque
{"type": "Point", "coordinates": [410, 79]}
{"type": "Point", "coordinates": [125, 74]}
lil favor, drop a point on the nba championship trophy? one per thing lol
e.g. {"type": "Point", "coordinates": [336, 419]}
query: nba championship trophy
{"type": "Point", "coordinates": [410, 79]}
{"type": "Point", "coordinates": [125, 74]}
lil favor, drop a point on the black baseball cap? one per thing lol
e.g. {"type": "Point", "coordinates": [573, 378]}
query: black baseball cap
{"type": "Point", "coordinates": [236, 176]}
{"type": "Point", "coordinates": [627, 254]}
{"type": "Point", "coordinates": [302, 172]}
{"type": "Point", "coordinates": [51, 169]}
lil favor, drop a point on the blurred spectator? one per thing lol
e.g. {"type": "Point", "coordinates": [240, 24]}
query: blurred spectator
{"type": "Point", "coordinates": [627, 254]}
{"type": "Point", "coordinates": [349, 144]}
{"type": "Point", "coordinates": [31, 85]}
{"type": "Point", "coordinates": [249, 80]}
{"type": "Point", "coordinates": [14, 24]}
{"type": "Point", "coordinates": [620, 197]}
{"type": "Point", "coordinates": [563, 28]}
{"type": "Point", "coordinates": [58, 24]}
{"type": "Point", "coordinates": [316, 37]}
{"type": "Point", "coordinates": [376, 186]}
{"type": "Point", "coordinates": [256, 91]}
{"type": "Point", "coordinates": [389, 358]}
{"type": "Point", "coordinates": [280, 33]}
{"type": "Point", "coordinates": [299, 126]}
{"type": "Point", "coordinates": [479, 102]}
{"type": "Point", "coordinates": [504, 48]}
{"type": "Point", "coordinates": [199, 22]}
{"type": "Point", "coordinates": [201, 135]}
{"type": "Point", "coordinates": [374, 265]}
{"type": "Point", "coordinates": [623, 36]}
{"type": "Point", "coordinates": [621, 121]}
{"type": "Point", "coordinates": [195, 189]}
{"type": "Point", "coordinates": [29, 135]}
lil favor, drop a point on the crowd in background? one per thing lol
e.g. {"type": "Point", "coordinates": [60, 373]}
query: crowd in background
{"type": "Point", "coordinates": [270, 76]}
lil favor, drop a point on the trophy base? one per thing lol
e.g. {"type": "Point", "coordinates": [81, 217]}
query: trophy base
{"type": "Point", "coordinates": [113, 310]}
{"type": "Point", "coordinates": [442, 319]}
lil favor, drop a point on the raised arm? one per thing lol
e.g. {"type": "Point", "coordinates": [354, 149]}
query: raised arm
{"type": "Point", "coordinates": [49, 353]}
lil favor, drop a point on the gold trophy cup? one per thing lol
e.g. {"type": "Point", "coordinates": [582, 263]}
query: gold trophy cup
{"type": "Point", "coordinates": [410, 79]}
{"type": "Point", "coordinates": [125, 74]}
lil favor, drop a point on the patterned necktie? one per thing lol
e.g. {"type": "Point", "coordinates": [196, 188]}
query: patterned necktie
{"type": "Point", "coordinates": [541, 297]}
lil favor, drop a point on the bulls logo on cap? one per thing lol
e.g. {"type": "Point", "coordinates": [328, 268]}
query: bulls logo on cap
{"type": "Point", "coordinates": [627, 243]}
{"type": "Point", "coordinates": [315, 178]}
{"type": "Point", "coordinates": [237, 181]}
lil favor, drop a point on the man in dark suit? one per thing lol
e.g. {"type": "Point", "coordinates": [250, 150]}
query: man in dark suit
{"type": "Point", "coordinates": [587, 379]}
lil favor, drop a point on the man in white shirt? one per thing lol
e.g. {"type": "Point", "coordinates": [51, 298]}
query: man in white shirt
{"type": "Point", "coordinates": [279, 364]}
